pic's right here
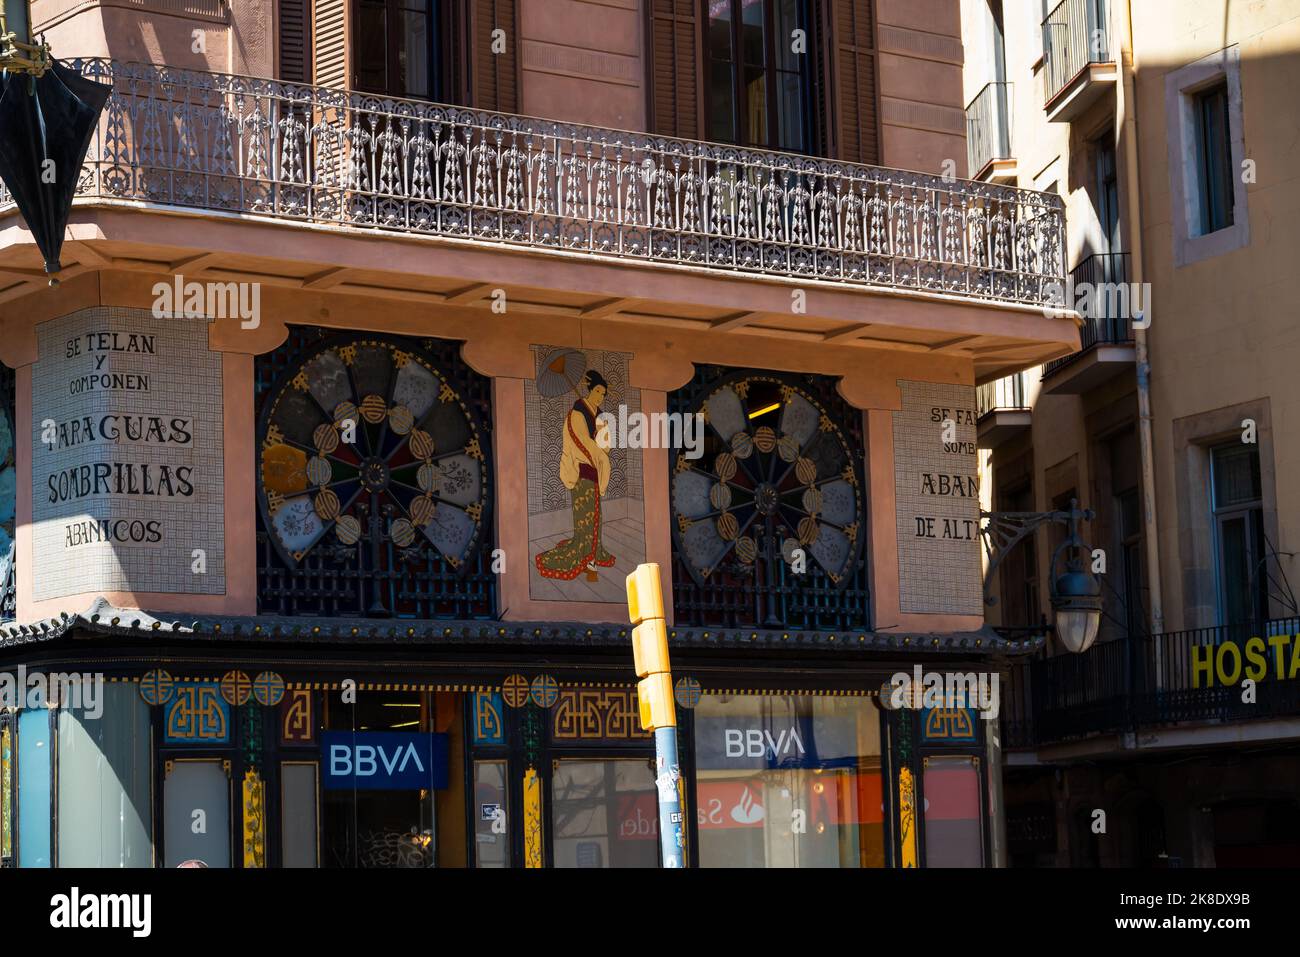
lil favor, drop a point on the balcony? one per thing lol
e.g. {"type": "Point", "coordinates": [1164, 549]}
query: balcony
{"type": "Point", "coordinates": [1002, 407]}
{"type": "Point", "coordinates": [1148, 684]}
{"type": "Point", "coordinates": [988, 135]}
{"type": "Point", "coordinates": [1099, 286]}
{"type": "Point", "coordinates": [1078, 66]}
{"type": "Point", "coordinates": [291, 154]}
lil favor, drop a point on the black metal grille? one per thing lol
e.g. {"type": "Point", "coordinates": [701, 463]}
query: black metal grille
{"type": "Point", "coordinates": [382, 580]}
{"type": "Point", "coordinates": [767, 592]}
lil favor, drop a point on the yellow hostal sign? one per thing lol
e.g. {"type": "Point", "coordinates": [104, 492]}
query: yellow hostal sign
{"type": "Point", "coordinates": [1276, 657]}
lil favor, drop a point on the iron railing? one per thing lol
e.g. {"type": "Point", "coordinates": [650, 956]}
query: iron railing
{"type": "Point", "coordinates": [1001, 394]}
{"type": "Point", "coordinates": [988, 126]}
{"type": "Point", "coordinates": [1150, 681]}
{"type": "Point", "coordinates": [1075, 34]}
{"type": "Point", "coordinates": [1107, 309]}
{"type": "Point", "coordinates": [261, 148]}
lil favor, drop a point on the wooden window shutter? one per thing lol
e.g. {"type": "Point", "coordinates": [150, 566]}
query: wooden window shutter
{"type": "Point", "coordinates": [675, 89]}
{"type": "Point", "coordinates": [495, 78]}
{"type": "Point", "coordinates": [295, 31]}
{"type": "Point", "coordinates": [849, 106]}
{"type": "Point", "coordinates": [329, 63]}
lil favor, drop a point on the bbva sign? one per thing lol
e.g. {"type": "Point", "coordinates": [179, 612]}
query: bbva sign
{"type": "Point", "coordinates": [383, 760]}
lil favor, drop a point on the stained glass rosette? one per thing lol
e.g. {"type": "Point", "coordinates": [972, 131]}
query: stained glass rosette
{"type": "Point", "coordinates": [366, 443]}
{"type": "Point", "coordinates": [776, 477]}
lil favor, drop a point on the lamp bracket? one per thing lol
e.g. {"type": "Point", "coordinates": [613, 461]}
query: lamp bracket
{"type": "Point", "coordinates": [1001, 532]}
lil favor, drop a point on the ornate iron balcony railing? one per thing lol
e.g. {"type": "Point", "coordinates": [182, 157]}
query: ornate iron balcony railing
{"type": "Point", "coordinates": [254, 147]}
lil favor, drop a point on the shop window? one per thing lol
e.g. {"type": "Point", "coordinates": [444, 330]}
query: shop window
{"type": "Point", "coordinates": [374, 482]}
{"type": "Point", "coordinates": [196, 789]}
{"type": "Point", "coordinates": [379, 828]}
{"type": "Point", "coordinates": [105, 815]}
{"type": "Point", "coordinates": [299, 803]}
{"type": "Point", "coordinates": [1237, 504]}
{"type": "Point", "coordinates": [605, 813]}
{"type": "Point", "coordinates": [788, 781]}
{"type": "Point", "coordinates": [491, 814]}
{"type": "Point", "coordinates": [33, 785]}
{"type": "Point", "coordinates": [954, 829]}
{"type": "Point", "coordinates": [768, 516]}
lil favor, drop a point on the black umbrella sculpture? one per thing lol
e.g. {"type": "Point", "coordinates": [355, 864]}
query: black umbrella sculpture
{"type": "Point", "coordinates": [48, 113]}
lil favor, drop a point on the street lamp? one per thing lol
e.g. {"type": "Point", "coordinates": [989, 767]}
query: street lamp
{"type": "Point", "coordinates": [1076, 593]}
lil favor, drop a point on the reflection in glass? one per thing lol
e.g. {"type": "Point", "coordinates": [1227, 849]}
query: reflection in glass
{"type": "Point", "coordinates": [491, 819]}
{"type": "Point", "coordinates": [788, 781]}
{"type": "Point", "coordinates": [605, 813]}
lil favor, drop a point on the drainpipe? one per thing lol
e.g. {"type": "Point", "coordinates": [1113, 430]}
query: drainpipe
{"type": "Point", "coordinates": [1126, 136]}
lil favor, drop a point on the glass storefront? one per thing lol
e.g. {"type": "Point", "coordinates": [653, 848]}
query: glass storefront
{"type": "Point", "coordinates": [378, 828]}
{"type": "Point", "coordinates": [605, 813]}
{"type": "Point", "coordinates": [788, 781]}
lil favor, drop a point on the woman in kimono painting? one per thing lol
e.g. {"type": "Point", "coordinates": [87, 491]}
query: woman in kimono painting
{"type": "Point", "coordinates": [584, 470]}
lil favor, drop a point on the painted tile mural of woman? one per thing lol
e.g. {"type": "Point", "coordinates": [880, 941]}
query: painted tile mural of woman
{"type": "Point", "coordinates": [584, 470]}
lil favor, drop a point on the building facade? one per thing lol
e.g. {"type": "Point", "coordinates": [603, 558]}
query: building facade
{"type": "Point", "coordinates": [392, 336]}
{"type": "Point", "coordinates": [1162, 126]}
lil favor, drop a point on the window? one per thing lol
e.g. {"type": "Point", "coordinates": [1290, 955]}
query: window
{"type": "Point", "coordinates": [1207, 147]}
{"type": "Point", "coordinates": [1130, 557]}
{"type": "Point", "coordinates": [1237, 504]}
{"type": "Point", "coordinates": [1106, 198]}
{"type": "Point", "coordinates": [1020, 568]}
{"type": "Point", "coordinates": [378, 828]}
{"type": "Point", "coordinates": [605, 813]}
{"type": "Point", "coordinates": [765, 763]}
{"type": "Point", "coordinates": [757, 83]}
{"type": "Point", "coordinates": [1213, 158]}
{"type": "Point", "coordinates": [395, 47]}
